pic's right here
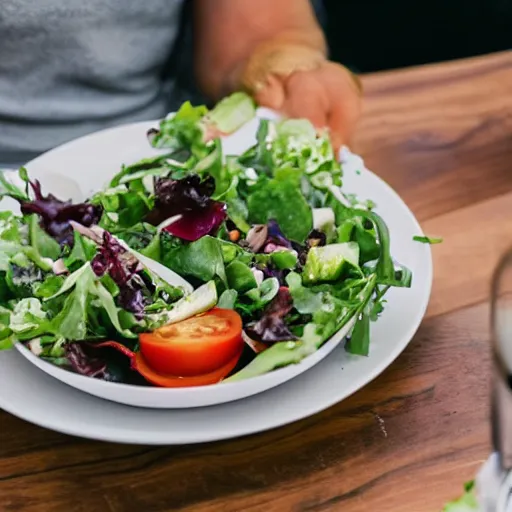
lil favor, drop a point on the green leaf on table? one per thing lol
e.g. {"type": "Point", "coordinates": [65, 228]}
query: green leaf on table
{"type": "Point", "coordinates": [466, 503]}
{"type": "Point", "coordinates": [427, 240]}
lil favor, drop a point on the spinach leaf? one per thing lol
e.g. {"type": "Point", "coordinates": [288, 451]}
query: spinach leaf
{"type": "Point", "coordinates": [201, 259]}
{"type": "Point", "coordinates": [227, 299]}
{"type": "Point", "coordinates": [240, 277]}
{"type": "Point", "coordinates": [281, 201]}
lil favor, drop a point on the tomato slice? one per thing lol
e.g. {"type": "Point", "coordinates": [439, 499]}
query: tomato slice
{"type": "Point", "coordinates": [196, 346]}
{"type": "Point", "coordinates": [170, 381]}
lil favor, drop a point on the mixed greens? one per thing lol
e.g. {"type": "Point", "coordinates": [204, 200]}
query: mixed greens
{"type": "Point", "coordinates": [269, 234]}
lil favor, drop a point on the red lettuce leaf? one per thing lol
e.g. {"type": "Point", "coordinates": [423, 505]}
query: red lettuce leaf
{"type": "Point", "coordinates": [84, 364]}
{"type": "Point", "coordinates": [194, 225]}
{"type": "Point", "coordinates": [56, 215]}
{"type": "Point", "coordinates": [124, 269]}
{"type": "Point", "coordinates": [189, 197]}
{"type": "Point", "coordinates": [272, 327]}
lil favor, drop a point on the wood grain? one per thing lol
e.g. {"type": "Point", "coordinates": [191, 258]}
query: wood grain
{"type": "Point", "coordinates": [441, 135]}
{"type": "Point", "coordinates": [424, 420]}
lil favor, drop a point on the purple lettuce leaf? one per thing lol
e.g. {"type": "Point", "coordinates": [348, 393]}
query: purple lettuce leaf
{"type": "Point", "coordinates": [271, 327]}
{"type": "Point", "coordinates": [56, 215]}
{"type": "Point", "coordinates": [113, 259]}
{"type": "Point", "coordinates": [189, 197]}
{"type": "Point", "coordinates": [84, 364]}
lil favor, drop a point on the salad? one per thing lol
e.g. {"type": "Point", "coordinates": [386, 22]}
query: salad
{"type": "Point", "coordinates": [270, 258]}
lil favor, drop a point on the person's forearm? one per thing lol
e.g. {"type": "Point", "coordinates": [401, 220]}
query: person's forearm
{"type": "Point", "coordinates": [227, 32]}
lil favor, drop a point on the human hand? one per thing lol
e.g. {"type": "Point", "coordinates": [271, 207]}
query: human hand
{"type": "Point", "coordinates": [300, 82]}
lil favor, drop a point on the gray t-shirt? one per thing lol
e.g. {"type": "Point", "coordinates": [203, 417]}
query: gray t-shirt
{"type": "Point", "coordinates": [72, 67]}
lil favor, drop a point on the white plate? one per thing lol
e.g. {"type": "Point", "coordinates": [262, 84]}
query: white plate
{"type": "Point", "coordinates": [93, 159]}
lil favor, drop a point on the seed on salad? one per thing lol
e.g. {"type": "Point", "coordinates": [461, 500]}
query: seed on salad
{"type": "Point", "coordinates": [234, 235]}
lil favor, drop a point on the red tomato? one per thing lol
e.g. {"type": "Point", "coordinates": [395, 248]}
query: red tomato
{"type": "Point", "coordinates": [196, 346]}
{"type": "Point", "coordinates": [169, 381]}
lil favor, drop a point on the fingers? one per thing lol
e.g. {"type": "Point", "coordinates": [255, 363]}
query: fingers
{"type": "Point", "coordinates": [344, 100]}
{"type": "Point", "coordinates": [328, 96]}
{"type": "Point", "coordinates": [306, 98]}
{"type": "Point", "coordinates": [272, 95]}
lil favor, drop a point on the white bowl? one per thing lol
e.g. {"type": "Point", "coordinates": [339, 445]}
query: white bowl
{"type": "Point", "coordinates": [95, 158]}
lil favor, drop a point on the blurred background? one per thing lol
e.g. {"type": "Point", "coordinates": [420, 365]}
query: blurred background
{"type": "Point", "coordinates": [376, 35]}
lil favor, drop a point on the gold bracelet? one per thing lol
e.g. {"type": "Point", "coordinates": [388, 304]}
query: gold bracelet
{"type": "Point", "coordinates": [277, 58]}
{"type": "Point", "coordinates": [283, 59]}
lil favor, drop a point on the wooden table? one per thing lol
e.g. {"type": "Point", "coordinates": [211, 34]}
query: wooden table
{"type": "Point", "coordinates": [441, 135]}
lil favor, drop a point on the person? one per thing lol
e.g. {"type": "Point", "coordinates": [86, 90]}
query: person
{"type": "Point", "coordinates": [71, 68]}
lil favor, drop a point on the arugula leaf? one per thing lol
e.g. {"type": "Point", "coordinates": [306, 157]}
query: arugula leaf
{"type": "Point", "coordinates": [427, 240]}
{"type": "Point", "coordinates": [359, 342]}
{"type": "Point", "coordinates": [5, 330]}
{"type": "Point", "coordinates": [142, 166]}
{"type": "Point", "coordinates": [259, 157]}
